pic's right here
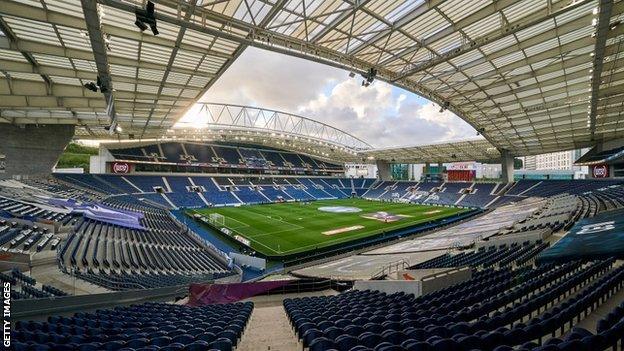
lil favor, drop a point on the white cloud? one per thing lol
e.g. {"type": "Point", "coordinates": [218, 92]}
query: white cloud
{"type": "Point", "coordinates": [266, 79]}
{"type": "Point", "coordinates": [379, 114]}
{"type": "Point", "coordinates": [382, 118]}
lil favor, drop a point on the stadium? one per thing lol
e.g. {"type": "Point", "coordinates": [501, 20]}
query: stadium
{"type": "Point", "coordinates": [125, 227]}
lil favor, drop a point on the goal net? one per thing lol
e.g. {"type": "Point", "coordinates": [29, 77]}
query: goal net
{"type": "Point", "coordinates": [216, 219]}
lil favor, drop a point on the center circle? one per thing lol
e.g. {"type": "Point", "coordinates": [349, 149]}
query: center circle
{"type": "Point", "coordinates": [339, 209]}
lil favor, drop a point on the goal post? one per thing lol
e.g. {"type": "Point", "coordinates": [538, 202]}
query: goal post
{"type": "Point", "coordinates": [216, 219]}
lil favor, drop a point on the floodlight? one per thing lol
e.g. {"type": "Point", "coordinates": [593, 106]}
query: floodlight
{"type": "Point", "coordinates": [91, 86]}
{"type": "Point", "coordinates": [146, 17]}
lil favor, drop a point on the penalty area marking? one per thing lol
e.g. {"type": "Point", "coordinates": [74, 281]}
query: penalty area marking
{"type": "Point", "coordinates": [432, 212]}
{"type": "Point", "coordinates": [242, 224]}
{"type": "Point", "coordinates": [343, 230]}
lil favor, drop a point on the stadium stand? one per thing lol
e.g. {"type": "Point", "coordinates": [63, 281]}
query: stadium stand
{"type": "Point", "coordinates": [484, 258]}
{"type": "Point", "coordinates": [163, 248]}
{"type": "Point", "coordinates": [148, 326]}
{"type": "Point", "coordinates": [464, 316]}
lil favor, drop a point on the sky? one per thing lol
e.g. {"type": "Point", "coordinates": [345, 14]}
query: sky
{"type": "Point", "coordinates": [380, 114]}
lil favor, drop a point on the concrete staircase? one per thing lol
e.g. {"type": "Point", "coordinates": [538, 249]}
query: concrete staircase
{"type": "Point", "coordinates": [268, 329]}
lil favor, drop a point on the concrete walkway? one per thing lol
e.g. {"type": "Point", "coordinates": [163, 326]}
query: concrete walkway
{"type": "Point", "coordinates": [269, 328]}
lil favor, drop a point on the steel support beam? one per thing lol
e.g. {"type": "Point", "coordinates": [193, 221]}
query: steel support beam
{"type": "Point", "coordinates": [509, 29]}
{"type": "Point", "coordinates": [98, 45]}
{"type": "Point", "coordinates": [602, 28]}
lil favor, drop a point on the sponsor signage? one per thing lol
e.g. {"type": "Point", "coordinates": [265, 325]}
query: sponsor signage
{"type": "Point", "coordinates": [600, 171]}
{"type": "Point", "coordinates": [120, 167]}
{"type": "Point", "coordinates": [242, 240]}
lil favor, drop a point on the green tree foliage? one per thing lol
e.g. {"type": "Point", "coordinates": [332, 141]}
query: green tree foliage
{"type": "Point", "coordinates": [76, 156]}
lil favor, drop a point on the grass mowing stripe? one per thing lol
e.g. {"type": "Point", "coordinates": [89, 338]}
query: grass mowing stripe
{"type": "Point", "coordinates": [294, 227]}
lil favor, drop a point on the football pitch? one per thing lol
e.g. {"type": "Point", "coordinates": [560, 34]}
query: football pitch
{"type": "Point", "coordinates": [283, 229]}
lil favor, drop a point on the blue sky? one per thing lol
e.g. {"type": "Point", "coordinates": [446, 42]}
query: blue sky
{"type": "Point", "coordinates": [380, 114]}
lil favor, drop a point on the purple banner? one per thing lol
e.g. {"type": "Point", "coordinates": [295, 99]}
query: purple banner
{"type": "Point", "coordinates": [100, 212]}
{"type": "Point", "coordinates": [206, 294]}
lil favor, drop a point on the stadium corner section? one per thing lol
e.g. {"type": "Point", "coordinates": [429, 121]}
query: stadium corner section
{"type": "Point", "coordinates": [240, 244]}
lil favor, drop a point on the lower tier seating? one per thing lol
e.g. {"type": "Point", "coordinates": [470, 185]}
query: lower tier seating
{"type": "Point", "coordinates": [150, 326]}
{"type": "Point", "coordinates": [495, 310]}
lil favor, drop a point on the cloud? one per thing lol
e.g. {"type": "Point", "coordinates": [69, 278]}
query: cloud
{"type": "Point", "coordinates": [380, 114]}
{"type": "Point", "coordinates": [385, 116]}
{"type": "Point", "coordinates": [270, 80]}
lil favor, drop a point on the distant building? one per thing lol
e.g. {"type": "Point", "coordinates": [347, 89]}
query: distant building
{"type": "Point", "coordinates": [360, 170]}
{"type": "Point", "coordinates": [537, 165]}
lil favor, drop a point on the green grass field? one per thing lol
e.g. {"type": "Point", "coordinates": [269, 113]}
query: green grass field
{"type": "Point", "coordinates": [283, 229]}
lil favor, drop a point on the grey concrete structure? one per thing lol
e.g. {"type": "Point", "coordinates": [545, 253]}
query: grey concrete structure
{"type": "Point", "coordinates": [383, 170]}
{"type": "Point", "coordinates": [30, 149]}
{"type": "Point", "coordinates": [507, 166]}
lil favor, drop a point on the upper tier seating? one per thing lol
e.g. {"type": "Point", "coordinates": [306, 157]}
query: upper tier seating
{"type": "Point", "coordinates": [133, 154]}
{"type": "Point", "coordinates": [200, 153]}
{"type": "Point", "coordinates": [252, 157]}
{"type": "Point", "coordinates": [154, 154]}
{"type": "Point", "coordinates": [229, 154]}
{"type": "Point", "coordinates": [174, 152]}
{"type": "Point", "coordinates": [150, 326]}
{"type": "Point", "coordinates": [293, 159]}
{"type": "Point", "coordinates": [274, 158]}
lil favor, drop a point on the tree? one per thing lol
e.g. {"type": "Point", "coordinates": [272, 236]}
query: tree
{"type": "Point", "coordinates": [76, 156]}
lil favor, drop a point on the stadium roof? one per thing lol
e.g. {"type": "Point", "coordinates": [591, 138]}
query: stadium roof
{"type": "Point", "coordinates": [531, 76]}
{"type": "Point", "coordinates": [246, 124]}
{"type": "Point", "coordinates": [458, 151]}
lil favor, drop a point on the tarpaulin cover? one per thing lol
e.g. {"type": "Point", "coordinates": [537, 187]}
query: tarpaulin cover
{"type": "Point", "coordinates": [205, 294]}
{"type": "Point", "coordinates": [101, 212]}
{"type": "Point", "coordinates": [599, 236]}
